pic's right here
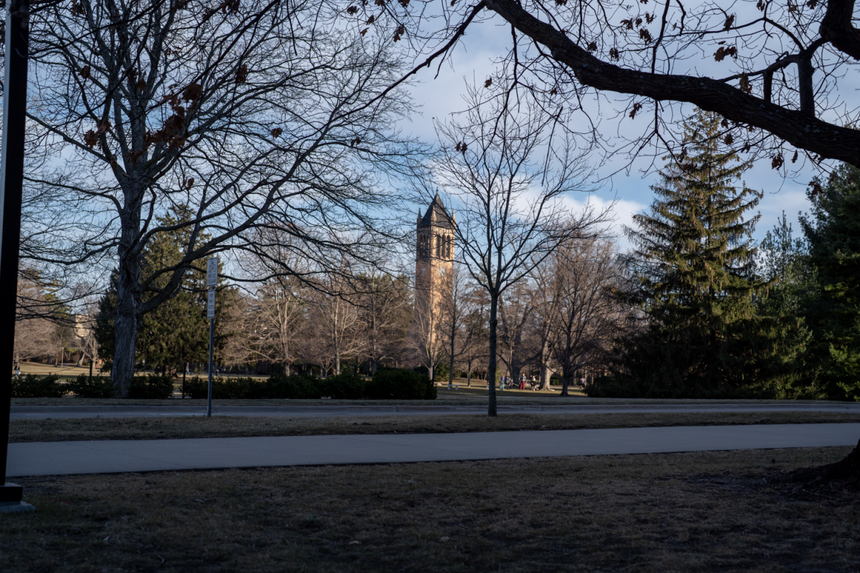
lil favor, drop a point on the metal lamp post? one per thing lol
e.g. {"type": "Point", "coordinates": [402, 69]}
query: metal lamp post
{"type": "Point", "coordinates": [11, 184]}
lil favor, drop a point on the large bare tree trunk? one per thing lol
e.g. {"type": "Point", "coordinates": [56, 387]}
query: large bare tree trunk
{"type": "Point", "coordinates": [545, 374]}
{"type": "Point", "coordinates": [846, 470]}
{"type": "Point", "coordinates": [451, 359]}
{"type": "Point", "coordinates": [123, 358]}
{"type": "Point", "coordinates": [567, 373]}
{"type": "Point", "coordinates": [544, 365]}
{"type": "Point", "coordinates": [128, 316]}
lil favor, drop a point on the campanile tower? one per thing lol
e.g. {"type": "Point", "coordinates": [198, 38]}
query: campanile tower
{"type": "Point", "coordinates": [434, 264]}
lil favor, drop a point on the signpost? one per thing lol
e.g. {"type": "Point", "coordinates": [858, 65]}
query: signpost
{"type": "Point", "coordinates": [211, 283]}
{"type": "Point", "coordinates": [11, 184]}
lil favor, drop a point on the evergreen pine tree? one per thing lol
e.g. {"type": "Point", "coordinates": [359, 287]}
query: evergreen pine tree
{"type": "Point", "coordinates": [177, 331]}
{"type": "Point", "coordinates": [833, 310]}
{"type": "Point", "coordinates": [694, 259]}
{"type": "Point", "coordinates": [784, 263]}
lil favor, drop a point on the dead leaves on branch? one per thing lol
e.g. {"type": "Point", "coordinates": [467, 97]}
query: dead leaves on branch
{"type": "Point", "coordinates": [744, 84]}
{"type": "Point", "coordinates": [637, 23]}
{"type": "Point", "coordinates": [229, 6]}
{"type": "Point", "coordinates": [92, 137]}
{"type": "Point", "coordinates": [814, 188]}
{"type": "Point", "coordinates": [355, 10]}
{"type": "Point", "coordinates": [724, 51]}
{"type": "Point", "coordinates": [777, 161]}
{"type": "Point", "coordinates": [172, 132]}
{"type": "Point", "coordinates": [242, 74]}
{"type": "Point", "coordinates": [175, 125]}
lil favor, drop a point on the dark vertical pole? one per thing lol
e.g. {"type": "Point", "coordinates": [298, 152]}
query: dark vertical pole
{"type": "Point", "coordinates": [11, 183]}
{"type": "Point", "coordinates": [211, 352]}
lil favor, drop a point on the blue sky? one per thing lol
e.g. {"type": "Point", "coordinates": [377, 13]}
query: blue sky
{"type": "Point", "coordinates": [438, 95]}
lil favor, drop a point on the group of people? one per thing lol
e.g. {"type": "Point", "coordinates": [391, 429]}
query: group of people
{"type": "Point", "coordinates": [509, 383]}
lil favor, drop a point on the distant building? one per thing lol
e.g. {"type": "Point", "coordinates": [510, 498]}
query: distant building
{"type": "Point", "coordinates": [434, 265]}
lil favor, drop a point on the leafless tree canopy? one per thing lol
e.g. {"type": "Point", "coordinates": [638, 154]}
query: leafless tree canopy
{"type": "Point", "coordinates": [508, 181]}
{"type": "Point", "coordinates": [242, 114]}
{"type": "Point", "coordinates": [779, 72]}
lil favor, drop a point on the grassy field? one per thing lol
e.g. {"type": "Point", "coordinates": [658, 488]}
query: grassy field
{"type": "Point", "coordinates": [66, 370]}
{"type": "Point", "coordinates": [722, 511]}
{"type": "Point", "coordinates": [60, 429]}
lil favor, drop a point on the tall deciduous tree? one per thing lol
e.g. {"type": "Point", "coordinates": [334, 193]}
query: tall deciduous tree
{"type": "Point", "coordinates": [515, 313]}
{"type": "Point", "coordinates": [508, 197]}
{"type": "Point", "coordinates": [589, 317]}
{"type": "Point", "coordinates": [455, 310]}
{"type": "Point", "coordinates": [239, 110]}
{"type": "Point", "coordinates": [547, 304]}
{"type": "Point", "coordinates": [474, 333]}
{"type": "Point", "coordinates": [276, 316]}
{"type": "Point", "coordinates": [336, 319]}
{"type": "Point", "coordinates": [385, 314]}
{"type": "Point", "coordinates": [33, 329]}
{"type": "Point", "coordinates": [694, 258]}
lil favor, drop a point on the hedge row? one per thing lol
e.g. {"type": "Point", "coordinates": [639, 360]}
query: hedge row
{"type": "Point", "coordinates": [141, 387]}
{"type": "Point", "coordinates": [385, 385]}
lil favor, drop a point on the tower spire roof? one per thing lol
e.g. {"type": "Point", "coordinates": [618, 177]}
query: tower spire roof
{"type": "Point", "coordinates": [437, 215]}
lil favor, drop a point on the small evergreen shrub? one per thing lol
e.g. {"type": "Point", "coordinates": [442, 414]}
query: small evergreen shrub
{"type": "Point", "coordinates": [93, 387]}
{"type": "Point", "coordinates": [151, 387]}
{"type": "Point", "coordinates": [32, 386]}
{"type": "Point", "coordinates": [400, 385]}
{"type": "Point", "coordinates": [295, 387]}
{"type": "Point", "coordinates": [440, 373]}
{"type": "Point", "coordinates": [196, 387]}
{"type": "Point", "coordinates": [344, 386]}
{"type": "Point", "coordinates": [224, 388]}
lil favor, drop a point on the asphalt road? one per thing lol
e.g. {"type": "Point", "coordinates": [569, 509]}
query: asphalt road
{"type": "Point", "coordinates": [44, 412]}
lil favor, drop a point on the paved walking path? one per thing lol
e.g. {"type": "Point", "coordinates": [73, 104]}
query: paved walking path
{"type": "Point", "coordinates": [43, 412]}
{"type": "Point", "coordinates": [59, 458]}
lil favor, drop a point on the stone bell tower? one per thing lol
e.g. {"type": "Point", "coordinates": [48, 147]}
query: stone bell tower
{"type": "Point", "coordinates": [434, 265]}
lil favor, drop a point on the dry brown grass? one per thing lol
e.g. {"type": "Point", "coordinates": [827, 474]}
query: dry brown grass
{"type": "Point", "coordinates": [669, 512]}
{"type": "Point", "coordinates": [52, 430]}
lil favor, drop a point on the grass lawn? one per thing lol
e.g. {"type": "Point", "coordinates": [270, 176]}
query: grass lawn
{"type": "Point", "coordinates": [719, 511]}
{"type": "Point", "coordinates": [51, 430]}
{"type": "Point", "coordinates": [68, 370]}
